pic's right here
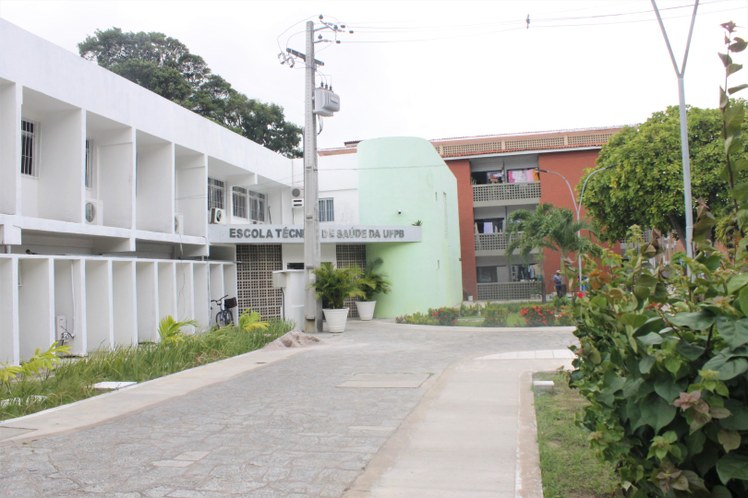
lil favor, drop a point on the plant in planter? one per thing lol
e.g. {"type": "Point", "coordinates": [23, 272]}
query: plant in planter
{"type": "Point", "coordinates": [372, 283]}
{"type": "Point", "coordinates": [333, 285]}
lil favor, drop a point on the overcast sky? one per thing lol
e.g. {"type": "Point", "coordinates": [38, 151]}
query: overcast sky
{"type": "Point", "coordinates": [434, 69]}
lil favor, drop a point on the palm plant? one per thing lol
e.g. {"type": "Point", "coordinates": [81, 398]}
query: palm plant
{"type": "Point", "coordinates": [547, 227]}
{"type": "Point", "coordinates": [333, 285]}
{"type": "Point", "coordinates": [250, 321]}
{"type": "Point", "coordinates": [170, 330]}
{"type": "Point", "coordinates": [372, 282]}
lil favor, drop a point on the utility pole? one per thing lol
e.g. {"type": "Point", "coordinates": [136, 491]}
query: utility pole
{"type": "Point", "coordinates": [324, 102]}
{"type": "Point", "coordinates": [312, 306]}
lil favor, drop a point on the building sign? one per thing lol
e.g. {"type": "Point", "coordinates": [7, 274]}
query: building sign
{"type": "Point", "coordinates": [329, 233]}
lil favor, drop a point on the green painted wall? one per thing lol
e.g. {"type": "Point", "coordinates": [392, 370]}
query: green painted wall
{"type": "Point", "coordinates": [403, 180]}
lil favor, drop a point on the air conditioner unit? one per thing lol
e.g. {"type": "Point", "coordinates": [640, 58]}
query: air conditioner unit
{"type": "Point", "coordinates": [297, 202]}
{"type": "Point", "coordinates": [217, 215]}
{"type": "Point", "coordinates": [297, 192]}
{"type": "Point", "coordinates": [179, 224]}
{"type": "Point", "coordinates": [93, 212]}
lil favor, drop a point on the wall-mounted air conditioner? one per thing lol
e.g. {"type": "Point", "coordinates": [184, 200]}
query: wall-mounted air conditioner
{"type": "Point", "coordinates": [179, 224]}
{"type": "Point", "coordinates": [217, 215]}
{"type": "Point", "coordinates": [297, 197]}
{"type": "Point", "coordinates": [93, 212]}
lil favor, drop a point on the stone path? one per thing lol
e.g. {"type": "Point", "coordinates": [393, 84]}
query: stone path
{"type": "Point", "coordinates": [352, 414]}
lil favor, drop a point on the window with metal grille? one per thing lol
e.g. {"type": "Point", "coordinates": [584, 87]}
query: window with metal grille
{"type": "Point", "coordinates": [88, 172]}
{"type": "Point", "coordinates": [216, 190]}
{"type": "Point", "coordinates": [257, 206]}
{"type": "Point", "coordinates": [29, 148]}
{"type": "Point", "coordinates": [239, 201]}
{"type": "Point", "coordinates": [326, 209]}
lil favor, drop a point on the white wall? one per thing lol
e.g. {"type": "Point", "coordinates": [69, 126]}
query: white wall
{"type": "Point", "coordinates": [10, 142]}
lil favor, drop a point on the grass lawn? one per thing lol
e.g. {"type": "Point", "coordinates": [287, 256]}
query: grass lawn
{"type": "Point", "coordinates": [73, 379]}
{"type": "Point", "coordinates": [569, 467]}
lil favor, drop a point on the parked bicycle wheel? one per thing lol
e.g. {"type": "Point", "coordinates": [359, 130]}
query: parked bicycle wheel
{"type": "Point", "coordinates": [224, 318]}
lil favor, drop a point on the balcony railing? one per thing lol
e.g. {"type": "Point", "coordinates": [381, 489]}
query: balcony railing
{"type": "Point", "coordinates": [496, 192]}
{"type": "Point", "coordinates": [493, 241]}
{"type": "Point", "coordinates": [511, 291]}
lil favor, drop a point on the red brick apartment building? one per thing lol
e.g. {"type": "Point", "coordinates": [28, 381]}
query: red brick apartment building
{"type": "Point", "coordinates": [499, 174]}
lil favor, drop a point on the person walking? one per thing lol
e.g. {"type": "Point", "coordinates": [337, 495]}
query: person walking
{"type": "Point", "coordinates": [558, 282]}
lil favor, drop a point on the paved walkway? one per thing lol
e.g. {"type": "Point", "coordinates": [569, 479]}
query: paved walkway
{"type": "Point", "coordinates": [382, 410]}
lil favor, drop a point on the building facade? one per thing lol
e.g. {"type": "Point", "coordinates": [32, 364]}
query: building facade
{"type": "Point", "coordinates": [497, 175]}
{"type": "Point", "coordinates": [119, 207]}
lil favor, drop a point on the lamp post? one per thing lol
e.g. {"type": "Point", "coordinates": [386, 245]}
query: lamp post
{"type": "Point", "coordinates": [577, 206]}
{"type": "Point", "coordinates": [685, 155]}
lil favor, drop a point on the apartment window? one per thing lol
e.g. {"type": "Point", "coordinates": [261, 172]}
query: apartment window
{"type": "Point", "coordinates": [29, 148]}
{"type": "Point", "coordinates": [216, 189]}
{"type": "Point", "coordinates": [487, 275]}
{"type": "Point", "coordinates": [88, 171]}
{"type": "Point", "coordinates": [257, 206]}
{"type": "Point", "coordinates": [522, 273]}
{"type": "Point", "coordinates": [326, 209]}
{"type": "Point", "coordinates": [239, 197]}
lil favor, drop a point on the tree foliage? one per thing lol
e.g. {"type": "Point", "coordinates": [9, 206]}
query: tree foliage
{"type": "Point", "coordinates": [643, 184]}
{"type": "Point", "coordinates": [663, 348]}
{"type": "Point", "coordinates": [165, 66]}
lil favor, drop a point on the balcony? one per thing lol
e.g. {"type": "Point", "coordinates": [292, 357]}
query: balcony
{"type": "Point", "coordinates": [500, 194]}
{"type": "Point", "coordinates": [511, 291]}
{"type": "Point", "coordinates": [495, 244]}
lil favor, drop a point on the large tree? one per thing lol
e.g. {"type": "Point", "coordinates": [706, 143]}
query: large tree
{"type": "Point", "coordinates": [165, 66]}
{"type": "Point", "coordinates": [643, 182]}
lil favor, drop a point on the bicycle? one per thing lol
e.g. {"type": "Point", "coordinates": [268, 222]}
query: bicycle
{"type": "Point", "coordinates": [224, 317]}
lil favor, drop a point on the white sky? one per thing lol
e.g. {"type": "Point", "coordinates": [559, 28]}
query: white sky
{"type": "Point", "coordinates": [435, 69]}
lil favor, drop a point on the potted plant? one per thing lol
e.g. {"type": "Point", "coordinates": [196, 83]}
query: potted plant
{"type": "Point", "coordinates": [372, 283]}
{"type": "Point", "coordinates": [333, 285]}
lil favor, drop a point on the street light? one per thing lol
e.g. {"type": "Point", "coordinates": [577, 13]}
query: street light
{"type": "Point", "coordinates": [577, 206]}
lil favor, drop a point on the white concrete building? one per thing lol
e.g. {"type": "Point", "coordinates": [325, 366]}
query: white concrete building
{"type": "Point", "coordinates": [109, 203]}
{"type": "Point", "coordinates": [105, 190]}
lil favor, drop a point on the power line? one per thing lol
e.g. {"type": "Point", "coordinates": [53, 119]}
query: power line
{"type": "Point", "coordinates": [410, 33]}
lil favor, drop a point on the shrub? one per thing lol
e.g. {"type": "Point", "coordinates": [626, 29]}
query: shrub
{"type": "Point", "coordinates": [445, 315]}
{"type": "Point", "coordinates": [663, 354]}
{"type": "Point", "coordinates": [470, 310]}
{"type": "Point", "coordinates": [495, 315]}
{"type": "Point", "coordinates": [539, 315]}
{"type": "Point", "coordinates": [417, 319]}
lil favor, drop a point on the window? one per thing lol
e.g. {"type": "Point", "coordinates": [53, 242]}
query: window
{"type": "Point", "coordinates": [522, 273]}
{"type": "Point", "coordinates": [489, 225]}
{"type": "Point", "coordinates": [216, 189]}
{"type": "Point", "coordinates": [239, 201]}
{"type": "Point", "coordinates": [88, 172]}
{"type": "Point", "coordinates": [256, 206]}
{"type": "Point", "coordinates": [326, 209]}
{"type": "Point", "coordinates": [29, 148]}
{"type": "Point", "coordinates": [487, 275]}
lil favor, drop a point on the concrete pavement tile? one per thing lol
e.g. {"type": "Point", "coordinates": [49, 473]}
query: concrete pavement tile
{"type": "Point", "coordinates": [157, 492]}
{"type": "Point", "coordinates": [172, 463]}
{"type": "Point", "coordinates": [192, 455]}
